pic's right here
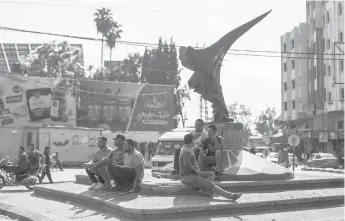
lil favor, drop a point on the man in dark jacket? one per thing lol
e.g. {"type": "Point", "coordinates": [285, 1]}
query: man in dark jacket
{"type": "Point", "coordinates": [46, 169]}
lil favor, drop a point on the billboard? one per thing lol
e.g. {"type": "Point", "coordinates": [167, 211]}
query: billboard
{"type": "Point", "coordinates": [35, 101]}
{"type": "Point", "coordinates": [121, 106]}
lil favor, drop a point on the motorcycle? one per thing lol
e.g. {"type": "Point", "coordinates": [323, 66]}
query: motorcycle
{"type": "Point", "coordinates": [28, 179]}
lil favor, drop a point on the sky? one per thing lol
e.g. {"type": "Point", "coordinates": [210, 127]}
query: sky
{"type": "Point", "coordinates": [250, 80]}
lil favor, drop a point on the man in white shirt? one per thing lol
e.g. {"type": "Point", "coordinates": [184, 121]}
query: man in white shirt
{"type": "Point", "coordinates": [128, 176]}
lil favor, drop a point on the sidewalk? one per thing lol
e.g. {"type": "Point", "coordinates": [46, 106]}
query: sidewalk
{"type": "Point", "coordinates": [328, 170]}
{"type": "Point", "coordinates": [66, 211]}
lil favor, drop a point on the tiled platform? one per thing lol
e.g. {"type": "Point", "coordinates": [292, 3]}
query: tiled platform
{"type": "Point", "coordinates": [140, 206]}
{"type": "Point", "coordinates": [152, 185]}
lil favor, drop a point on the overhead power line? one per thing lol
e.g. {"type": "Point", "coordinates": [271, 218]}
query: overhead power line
{"type": "Point", "coordinates": [144, 44]}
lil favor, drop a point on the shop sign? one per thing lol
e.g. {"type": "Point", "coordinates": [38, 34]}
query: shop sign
{"type": "Point", "coordinates": [333, 135]}
{"type": "Point", "coordinates": [323, 137]}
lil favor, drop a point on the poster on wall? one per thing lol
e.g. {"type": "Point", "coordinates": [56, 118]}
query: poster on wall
{"type": "Point", "coordinates": [37, 101]}
{"type": "Point", "coordinates": [121, 106]}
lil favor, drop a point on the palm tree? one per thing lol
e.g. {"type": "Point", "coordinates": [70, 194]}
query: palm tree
{"type": "Point", "coordinates": [113, 34]}
{"type": "Point", "coordinates": [103, 20]}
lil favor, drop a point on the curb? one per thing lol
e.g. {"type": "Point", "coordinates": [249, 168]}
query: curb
{"type": "Point", "coordinates": [177, 188]}
{"type": "Point", "coordinates": [21, 214]}
{"type": "Point", "coordinates": [323, 170]}
{"type": "Point", "coordinates": [181, 212]}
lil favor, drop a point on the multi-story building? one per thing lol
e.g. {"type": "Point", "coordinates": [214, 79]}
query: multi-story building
{"type": "Point", "coordinates": [12, 53]}
{"type": "Point", "coordinates": [294, 72]}
{"type": "Point", "coordinates": [323, 104]}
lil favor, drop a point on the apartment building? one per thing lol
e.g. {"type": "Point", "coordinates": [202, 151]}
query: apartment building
{"type": "Point", "coordinates": [319, 118]}
{"type": "Point", "coordinates": [294, 69]}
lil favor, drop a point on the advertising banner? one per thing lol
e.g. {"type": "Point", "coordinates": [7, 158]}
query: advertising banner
{"type": "Point", "coordinates": [35, 101]}
{"type": "Point", "coordinates": [121, 106]}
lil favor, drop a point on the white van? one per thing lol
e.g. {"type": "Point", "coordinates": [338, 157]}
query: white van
{"type": "Point", "coordinates": [166, 146]}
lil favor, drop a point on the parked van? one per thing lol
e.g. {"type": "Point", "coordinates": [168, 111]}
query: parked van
{"type": "Point", "coordinates": [166, 146]}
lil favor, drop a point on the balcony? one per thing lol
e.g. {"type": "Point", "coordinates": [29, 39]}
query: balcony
{"type": "Point", "coordinates": [293, 74]}
{"type": "Point", "coordinates": [293, 94]}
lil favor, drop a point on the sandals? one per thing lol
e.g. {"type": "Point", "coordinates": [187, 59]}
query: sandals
{"type": "Point", "coordinates": [236, 196]}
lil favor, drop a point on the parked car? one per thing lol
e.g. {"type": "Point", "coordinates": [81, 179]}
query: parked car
{"type": "Point", "coordinates": [262, 151]}
{"type": "Point", "coordinates": [273, 157]}
{"type": "Point", "coordinates": [323, 160]}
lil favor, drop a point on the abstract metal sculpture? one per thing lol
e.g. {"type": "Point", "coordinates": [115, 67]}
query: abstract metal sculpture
{"type": "Point", "coordinates": [206, 64]}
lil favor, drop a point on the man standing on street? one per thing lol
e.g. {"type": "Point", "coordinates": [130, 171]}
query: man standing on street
{"type": "Point", "coordinates": [128, 176]}
{"type": "Point", "coordinates": [92, 172]}
{"type": "Point", "coordinates": [191, 176]}
{"type": "Point", "coordinates": [115, 157]}
{"type": "Point", "coordinates": [283, 157]}
{"type": "Point", "coordinates": [46, 169]}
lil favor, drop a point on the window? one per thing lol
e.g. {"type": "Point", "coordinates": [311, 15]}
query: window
{"type": "Point", "coordinates": [341, 65]}
{"type": "Point", "coordinates": [327, 17]}
{"type": "Point", "coordinates": [329, 70]}
{"type": "Point", "coordinates": [285, 106]}
{"type": "Point", "coordinates": [341, 124]}
{"type": "Point", "coordinates": [342, 95]}
{"type": "Point", "coordinates": [329, 97]}
{"type": "Point", "coordinates": [340, 37]}
{"type": "Point", "coordinates": [293, 64]}
{"type": "Point", "coordinates": [285, 86]}
{"type": "Point", "coordinates": [285, 67]}
{"type": "Point", "coordinates": [292, 44]}
{"type": "Point", "coordinates": [328, 44]}
{"type": "Point", "coordinates": [293, 84]}
{"type": "Point", "coordinates": [284, 48]}
{"type": "Point", "coordinates": [340, 9]}
{"type": "Point", "coordinates": [324, 94]}
{"type": "Point", "coordinates": [293, 105]}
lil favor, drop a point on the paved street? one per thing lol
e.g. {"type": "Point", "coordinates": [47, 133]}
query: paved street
{"type": "Point", "coordinates": [4, 218]}
{"type": "Point", "coordinates": [57, 210]}
{"type": "Point", "coordinates": [68, 211]}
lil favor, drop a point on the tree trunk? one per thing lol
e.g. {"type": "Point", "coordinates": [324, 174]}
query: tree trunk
{"type": "Point", "coordinates": [102, 52]}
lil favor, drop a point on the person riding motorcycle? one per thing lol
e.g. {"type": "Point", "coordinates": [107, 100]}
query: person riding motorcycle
{"type": "Point", "coordinates": [19, 166]}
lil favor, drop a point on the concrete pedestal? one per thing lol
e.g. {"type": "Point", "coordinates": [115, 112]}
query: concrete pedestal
{"type": "Point", "coordinates": [242, 165]}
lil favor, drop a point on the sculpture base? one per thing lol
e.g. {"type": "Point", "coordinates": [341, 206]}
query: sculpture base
{"type": "Point", "coordinates": [242, 165]}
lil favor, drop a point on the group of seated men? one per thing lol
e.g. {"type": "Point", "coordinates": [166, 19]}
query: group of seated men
{"type": "Point", "coordinates": [117, 170]}
{"type": "Point", "coordinates": [122, 168]}
{"type": "Point", "coordinates": [207, 147]}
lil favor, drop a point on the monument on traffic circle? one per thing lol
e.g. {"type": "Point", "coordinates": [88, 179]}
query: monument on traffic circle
{"type": "Point", "coordinates": [206, 64]}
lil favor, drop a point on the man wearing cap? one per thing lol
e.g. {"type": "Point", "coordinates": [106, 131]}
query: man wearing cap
{"type": "Point", "coordinates": [93, 169]}
{"type": "Point", "coordinates": [115, 157]}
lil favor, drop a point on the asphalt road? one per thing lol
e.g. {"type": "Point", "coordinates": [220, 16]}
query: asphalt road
{"type": "Point", "coordinates": [19, 196]}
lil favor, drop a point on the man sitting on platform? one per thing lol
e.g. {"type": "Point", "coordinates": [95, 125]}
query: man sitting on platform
{"type": "Point", "coordinates": [191, 176]}
{"type": "Point", "coordinates": [128, 176]}
{"type": "Point", "coordinates": [199, 135]}
{"type": "Point", "coordinates": [98, 175]}
{"type": "Point", "coordinates": [115, 157]}
{"type": "Point", "coordinates": [210, 151]}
